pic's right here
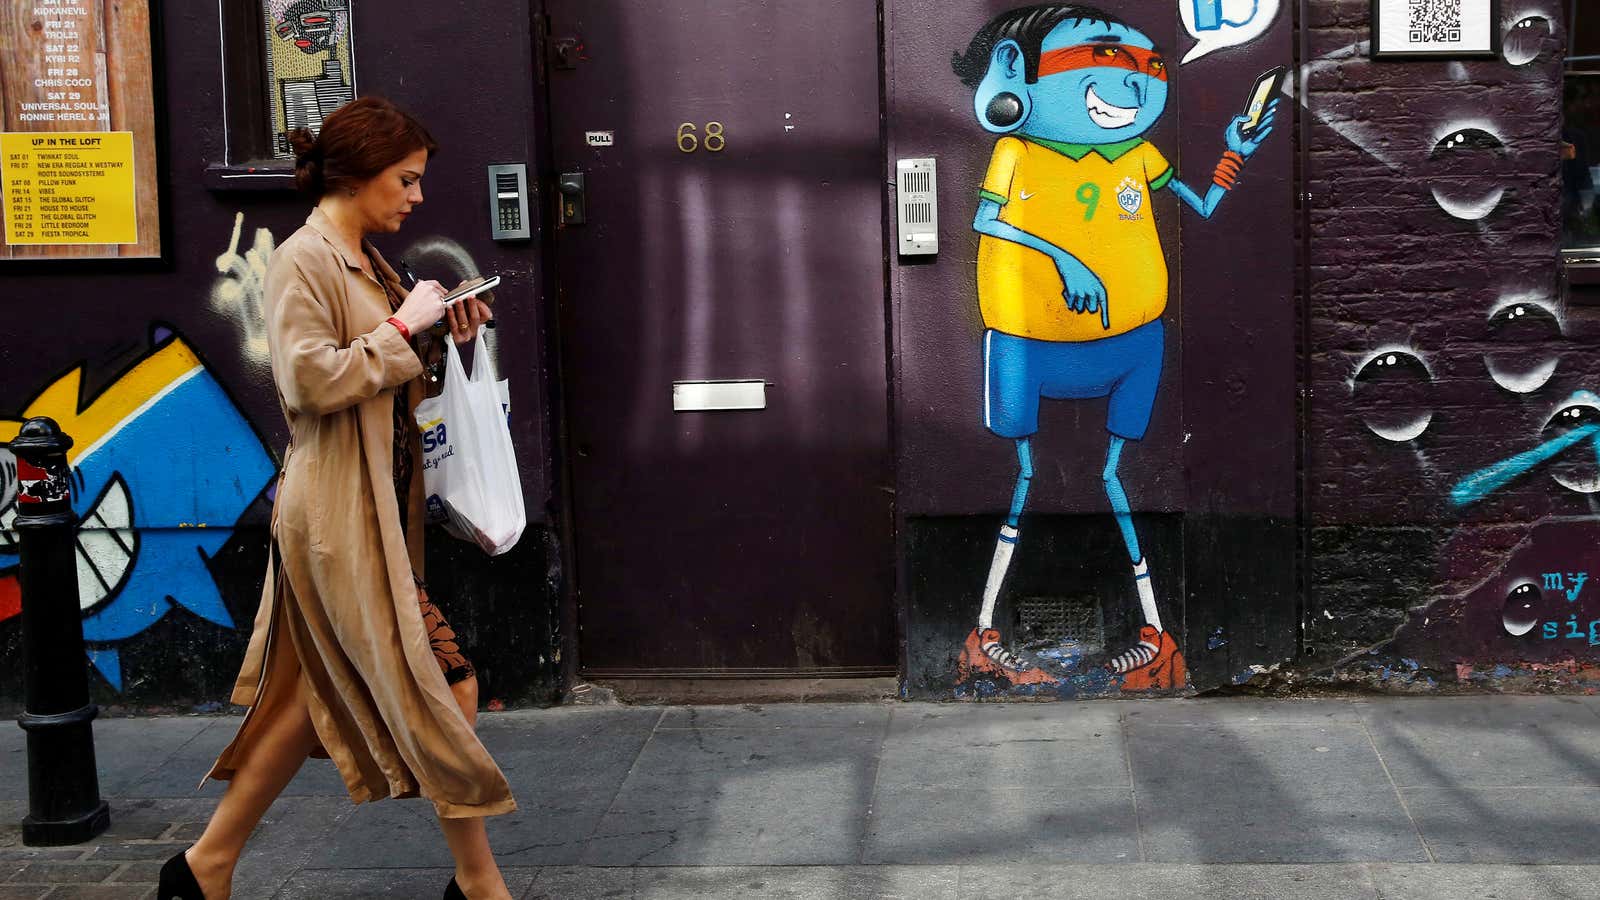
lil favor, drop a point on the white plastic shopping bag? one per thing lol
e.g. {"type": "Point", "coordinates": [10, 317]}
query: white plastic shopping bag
{"type": "Point", "coordinates": [469, 467]}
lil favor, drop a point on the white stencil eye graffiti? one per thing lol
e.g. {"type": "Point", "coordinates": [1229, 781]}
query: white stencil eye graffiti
{"type": "Point", "coordinates": [1531, 33]}
{"type": "Point", "coordinates": [1392, 389]}
{"type": "Point", "coordinates": [240, 286]}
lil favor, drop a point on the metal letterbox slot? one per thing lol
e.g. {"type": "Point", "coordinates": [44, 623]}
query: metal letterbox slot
{"type": "Point", "coordinates": [703, 396]}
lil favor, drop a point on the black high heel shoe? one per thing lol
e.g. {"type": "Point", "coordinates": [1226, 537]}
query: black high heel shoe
{"type": "Point", "coordinates": [452, 891]}
{"type": "Point", "coordinates": [178, 881]}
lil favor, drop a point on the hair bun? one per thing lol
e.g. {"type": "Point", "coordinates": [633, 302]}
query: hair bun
{"type": "Point", "coordinates": [307, 160]}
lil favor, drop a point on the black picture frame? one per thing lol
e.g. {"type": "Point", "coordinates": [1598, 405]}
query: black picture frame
{"type": "Point", "coordinates": [1382, 51]}
{"type": "Point", "coordinates": [165, 260]}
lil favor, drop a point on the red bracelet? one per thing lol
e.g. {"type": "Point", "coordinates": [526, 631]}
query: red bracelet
{"type": "Point", "coordinates": [400, 327]}
{"type": "Point", "coordinates": [1227, 174]}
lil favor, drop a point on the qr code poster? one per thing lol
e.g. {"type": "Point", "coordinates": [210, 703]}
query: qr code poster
{"type": "Point", "coordinates": [1450, 28]}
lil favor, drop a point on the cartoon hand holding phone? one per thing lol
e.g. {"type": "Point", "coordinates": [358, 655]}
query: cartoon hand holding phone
{"type": "Point", "coordinates": [1249, 131]}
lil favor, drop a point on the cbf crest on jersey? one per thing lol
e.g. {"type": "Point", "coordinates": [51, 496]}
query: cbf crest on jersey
{"type": "Point", "coordinates": [1130, 196]}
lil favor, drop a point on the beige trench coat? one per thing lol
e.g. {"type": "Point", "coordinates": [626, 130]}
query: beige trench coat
{"type": "Point", "coordinates": [339, 614]}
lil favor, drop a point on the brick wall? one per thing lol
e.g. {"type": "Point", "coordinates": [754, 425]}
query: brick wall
{"type": "Point", "coordinates": [1432, 196]}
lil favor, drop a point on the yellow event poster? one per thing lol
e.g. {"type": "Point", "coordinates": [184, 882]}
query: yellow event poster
{"type": "Point", "coordinates": [69, 187]}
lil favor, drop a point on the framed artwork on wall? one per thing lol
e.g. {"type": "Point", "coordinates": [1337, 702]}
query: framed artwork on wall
{"type": "Point", "coordinates": [310, 65]}
{"type": "Point", "coordinates": [80, 138]}
{"type": "Point", "coordinates": [1435, 29]}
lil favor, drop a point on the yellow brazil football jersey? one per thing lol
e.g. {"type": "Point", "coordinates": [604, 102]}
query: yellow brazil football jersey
{"type": "Point", "coordinates": [1093, 202]}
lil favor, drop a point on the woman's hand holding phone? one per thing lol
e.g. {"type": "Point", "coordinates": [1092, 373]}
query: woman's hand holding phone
{"type": "Point", "coordinates": [422, 307]}
{"type": "Point", "coordinates": [465, 317]}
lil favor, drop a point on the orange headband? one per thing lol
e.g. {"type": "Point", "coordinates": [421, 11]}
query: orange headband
{"type": "Point", "coordinates": [1087, 56]}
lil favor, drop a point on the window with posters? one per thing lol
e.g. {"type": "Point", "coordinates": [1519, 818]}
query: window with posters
{"type": "Point", "coordinates": [1580, 136]}
{"type": "Point", "coordinates": [310, 65]}
{"type": "Point", "coordinates": [78, 166]}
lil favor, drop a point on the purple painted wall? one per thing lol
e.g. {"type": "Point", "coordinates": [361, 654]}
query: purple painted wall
{"type": "Point", "coordinates": [1442, 352]}
{"type": "Point", "coordinates": [175, 649]}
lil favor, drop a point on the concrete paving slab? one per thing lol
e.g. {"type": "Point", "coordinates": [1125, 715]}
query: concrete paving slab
{"type": "Point", "coordinates": [127, 750]}
{"type": "Point", "coordinates": [408, 883]}
{"type": "Point", "coordinates": [13, 758]}
{"type": "Point", "coordinates": [1520, 825]}
{"type": "Point", "coordinates": [1171, 882]}
{"type": "Point", "coordinates": [1296, 793]}
{"type": "Point", "coordinates": [145, 814]}
{"type": "Point", "coordinates": [581, 729]}
{"type": "Point", "coordinates": [1486, 742]}
{"type": "Point", "coordinates": [103, 892]}
{"type": "Point", "coordinates": [1241, 712]}
{"type": "Point", "coordinates": [552, 741]}
{"type": "Point", "coordinates": [981, 751]}
{"type": "Point", "coordinates": [1023, 825]}
{"type": "Point", "coordinates": [1013, 721]}
{"type": "Point", "coordinates": [564, 766]}
{"type": "Point", "coordinates": [180, 773]}
{"type": "Point", "coordinates": [1295, 757]}
{"type": "Point", "coordinates": [724, 796]}
{"type": "Point", "coordinates": [748, 883]}
{"type": "Point", "coordinates": [132, 821]}
{"type": "Point", "coordinates": [1452, 882]}
{"type": "Point", "coordinates": [389, 833]}
{"type": "Point", "coordinates": [778, 715]}
{"type": "Point", "coordinates": [1237, 824]}
{"type": "Point", "coordinates": [1591, 702]}
{"type": "Point", "coordinates": [291, 830]}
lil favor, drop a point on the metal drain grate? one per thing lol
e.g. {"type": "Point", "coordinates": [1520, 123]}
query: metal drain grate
{"type": "Point", "coordinates": [1062, 620]}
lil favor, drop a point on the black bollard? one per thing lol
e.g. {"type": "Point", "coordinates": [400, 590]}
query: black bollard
{"type": "Point", "coordinates": [64, 805]}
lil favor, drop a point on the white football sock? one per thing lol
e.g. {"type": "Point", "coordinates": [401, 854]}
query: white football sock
{"type": "Point", "coordinates": [1147, 593]}
{"type": "Point", "coordinates": [997, 574]}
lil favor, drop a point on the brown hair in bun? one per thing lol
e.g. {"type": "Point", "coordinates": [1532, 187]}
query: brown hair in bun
{"type": "Point", "coordinates": [357, 141]}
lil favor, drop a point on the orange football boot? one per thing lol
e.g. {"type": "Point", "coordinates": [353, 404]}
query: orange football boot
{"type": "Point", "coordinates": [985, 655]}
{"type": "Point", "coordinates": [1153, 664]}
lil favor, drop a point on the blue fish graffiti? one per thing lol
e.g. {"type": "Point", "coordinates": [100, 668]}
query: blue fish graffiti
{"type": "Point", "coordinates": [164, 464]}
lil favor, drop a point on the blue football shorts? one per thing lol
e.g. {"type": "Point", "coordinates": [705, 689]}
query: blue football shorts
{"type": "Point", "coordinates": [1018, 371]}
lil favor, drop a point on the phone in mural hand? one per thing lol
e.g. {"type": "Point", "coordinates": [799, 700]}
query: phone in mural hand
{"type": "Point", "coordinates": [1270, 82]}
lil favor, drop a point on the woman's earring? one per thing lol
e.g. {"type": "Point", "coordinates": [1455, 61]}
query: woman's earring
{"type": "Point", "coordinates": [352, 192]}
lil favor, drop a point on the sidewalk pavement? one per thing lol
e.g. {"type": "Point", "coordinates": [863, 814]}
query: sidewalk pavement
{"type": "Point", "coordinates": [1393, 798]}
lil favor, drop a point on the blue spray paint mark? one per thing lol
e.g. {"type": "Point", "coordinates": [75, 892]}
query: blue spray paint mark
{"type": "Point", "coordinates": [1486, 481]}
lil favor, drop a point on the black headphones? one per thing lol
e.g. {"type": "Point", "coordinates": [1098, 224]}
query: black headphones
{"type": "Point", "coordinates": [1004, 111]}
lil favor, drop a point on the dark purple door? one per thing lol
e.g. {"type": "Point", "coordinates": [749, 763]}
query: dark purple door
{"type": "Point", "coordinates": [733, 231]}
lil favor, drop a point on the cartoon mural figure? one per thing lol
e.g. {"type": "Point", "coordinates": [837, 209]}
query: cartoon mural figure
{"type": "Point", "coordinates": [164, 464]}
{"type": "Point", "coordinates": [1072, 281]}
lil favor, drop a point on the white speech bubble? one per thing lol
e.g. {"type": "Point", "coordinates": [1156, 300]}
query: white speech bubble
{"type": "Point", "coordinates": [1216, 24]}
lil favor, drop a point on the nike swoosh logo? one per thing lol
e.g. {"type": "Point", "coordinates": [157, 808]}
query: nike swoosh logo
{"type": "Point", "coordinates": [1026, 196]}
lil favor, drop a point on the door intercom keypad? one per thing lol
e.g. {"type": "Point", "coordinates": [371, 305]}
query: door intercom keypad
{"type": "Point", "coordinates": [508, 202]}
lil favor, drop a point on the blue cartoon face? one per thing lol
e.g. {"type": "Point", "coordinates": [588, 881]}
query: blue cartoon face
{"type": "Point", "coordinates": [1097, 84]}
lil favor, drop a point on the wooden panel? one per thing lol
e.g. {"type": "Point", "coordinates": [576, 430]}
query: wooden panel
{"type": "Point", "coordinates": [102, 47]}
{"type": "Point", "coordinates": [130, 72]}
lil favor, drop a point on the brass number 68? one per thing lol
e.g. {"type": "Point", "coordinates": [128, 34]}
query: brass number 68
{"type": "Point", "coordinates": [689, 140]}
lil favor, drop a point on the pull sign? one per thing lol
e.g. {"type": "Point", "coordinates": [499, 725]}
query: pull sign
{"type": "Point", "coordinates": [918, 203]}
{"type": "Point", "coordinates": [600, 138]}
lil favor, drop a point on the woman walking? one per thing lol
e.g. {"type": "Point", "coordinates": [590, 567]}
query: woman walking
{"type": "Point", "coordinates": [349, 659]}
